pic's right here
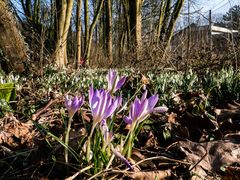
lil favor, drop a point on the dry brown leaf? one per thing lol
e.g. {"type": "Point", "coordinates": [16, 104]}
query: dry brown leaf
{"type": "Point", "coordinates": [145, 80]}
{"type": "Point", "coordinates": [211, 156]}
{"type": "Point", "coordinates": [151, 141]}
{"type": "Point", "coordinates": [172, 118]}
{"type": "Point", "coordinates": [137, 156]}
{"type": "Point", "coordinates": [14, 133]}
{"type": "Point", "coordinates": [151, 175]}
{"type": "Point", "coordinates": [228, 111]}
{"type": "Point", "coordinates": [232, 173]}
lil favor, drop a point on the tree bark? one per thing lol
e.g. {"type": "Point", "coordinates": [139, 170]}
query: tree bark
{"type": "Point", "coordinates": [86, 25]}
{"type": "Point", "coordinates": [109, 30]}
{"type": "Point", "coordinates": [65, 8]}
{"type": "Point", "coordinates": [133, 19]}
{"type": "Point", "coordinates": [78, 13]}
{"type": "Point", "coordinates": [11, 42]}
{"type": "Point", "coordinates": [90, 33]}
{"type": "Point", "coordinates": [174, 16]}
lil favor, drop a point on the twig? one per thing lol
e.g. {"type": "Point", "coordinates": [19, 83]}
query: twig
{"type": "Point", "coordinates": [198, 161]}
{"type": "Point", "coordinates": [38, 113]}
{"type": "Point", "coordinates": [101, 172]}
{"type": "Point", "coordinates": [160, 157]}
{"type": "Point", "coordinates": [77, 173]}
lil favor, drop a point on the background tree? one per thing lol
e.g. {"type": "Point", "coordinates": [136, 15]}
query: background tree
{"type": "Point", "coordinates": [64, 11]}
{"type": "Point", "coordinates": [108, 30]}
{"type": "Point", "coordinates": [133, 19]}
{"type": "Point", "coordinates": [169, 13]}
{"type": "Point", "coordinates": [32, 10]}
{"type": "Point", "coordinates": [89, 29]}
{"type": "Point", "coordinates": [78, 26]}
{"type": "Point", "coordinates": [99, 30]}
{"type": "Point", "coordinates": [232, 17]}
{"type": "Point", "coordinates": [12, 43]}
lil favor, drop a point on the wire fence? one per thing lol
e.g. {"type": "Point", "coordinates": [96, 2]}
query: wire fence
{"type": "Point", "coordinates": [203, 32]}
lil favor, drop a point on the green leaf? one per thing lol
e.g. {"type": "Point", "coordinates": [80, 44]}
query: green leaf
{"type": "Point", "coordinates": [7, 91]}
{"type": "Point", "coordinates": [166, 134]}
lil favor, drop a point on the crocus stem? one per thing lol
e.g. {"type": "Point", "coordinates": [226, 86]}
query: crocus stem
{"type": "Point", "coordinates": [67, 139]}
{"type": "Point", "coordinates": [130, 144]}
{"type": "Point", "coordinates": [89, 142]}
{"type": "Point", "coordinates": [130, 132]}
{"type": "Point", "coordinates": [130, 99]}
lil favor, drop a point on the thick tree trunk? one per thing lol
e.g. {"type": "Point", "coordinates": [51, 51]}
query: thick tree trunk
{"type": "Point", "coordinates": [11, 42]}
{"type": "Point", "coordinates": [134, 24]}
{"type": "Point", "coordinates": [65, 9]}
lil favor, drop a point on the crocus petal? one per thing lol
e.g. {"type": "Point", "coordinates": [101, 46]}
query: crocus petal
{"type": "Point", "coordinates": [95, 98]}
{"type": "Point", "coordinates": [137, 108]}
{"type": "Point", "coordinates": [73, 104]}
{"type": "Point", "coordinates": [144, 96]}
{"type": "Point", "coordinates": [143, 109]}
{"type": "Point", "coordinates": [140, 109]}
{"type": "Point", "coordinates": [67, 102]}
{"type": "Point", "coordinates": [121, 157]}
{"type": "Point", "coordinates": [102, 104]}
{"type": "Point", "coordinates": [104, 129]}
{"type": "Point", "coordinates": [94, 108]}
{"type": "Point", "coordinates": [111, 79]}
{"type": "Point", "coordinates": [111, 109]}
{"type": "Point", "coordinates": [160, 109]}
{"type": "Point", "coordinates": [127, 120]}
{"type": "Point", "coordinates": [152, 101]}
{"type": "Point", "coordinates": [120, 83]}
{"type": "Point", "coordinates": [119, 99]}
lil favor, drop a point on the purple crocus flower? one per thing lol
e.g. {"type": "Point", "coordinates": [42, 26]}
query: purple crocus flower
{"type": "Point", "coordinates": [140, 109]}
{"type": "Point", "coordinates": [114, 83]}
{"type": "Point", "coordinates": [108, 136]}
{"type": "Point", "coordinates": [102, 104]}
{"type": "Point", "coordinates": [121, 157]}
{"type": "Point", "coordinates": [73, 104]}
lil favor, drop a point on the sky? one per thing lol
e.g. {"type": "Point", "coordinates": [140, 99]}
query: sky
{"type": "Point", "coordinates": [217, 6]}
{"type": "Point", "coordinates": [199, 10]}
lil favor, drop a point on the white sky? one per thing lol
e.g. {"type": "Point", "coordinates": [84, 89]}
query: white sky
{"type": "Point", "coordinates": [217, 6]}
{"type": "Point", "coordinates": [201, 9]}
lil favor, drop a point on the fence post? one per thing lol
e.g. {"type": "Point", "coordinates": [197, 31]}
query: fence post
{"type": "Point", "coordinates": [210, 34]}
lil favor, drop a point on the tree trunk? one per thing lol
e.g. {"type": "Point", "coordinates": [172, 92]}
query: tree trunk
{"type": "Point", "coordinates": [162, 10]}
{"type": "Point", "coordinates": [11, 42]}
{"type": "Point", "coordinates": [165, 22]}
{"type": "Point", "coordinates": [109, 30]}
{"type": "Point", "coordinates": [167, 18]}
{"type": "Point", "coordinates": [127, 23]}
{"type": "Point", "coordinates": [135, 14]}
{"type": "Point", "coordinates": [170, 29]}
{"type": "Point", "coordinates": [65, 8]}
{"type": "Point", "coordinates": [138, 30]}
{"type": "Point", "coordinates": [78, 13]}
{"type": "Point", "coordinates": [86, 25]}
{"type": "Point", "coordinates": [90, 33]}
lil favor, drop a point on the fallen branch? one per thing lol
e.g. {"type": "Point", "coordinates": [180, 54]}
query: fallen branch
{"type": "Point", "coordinates": [44, 109]}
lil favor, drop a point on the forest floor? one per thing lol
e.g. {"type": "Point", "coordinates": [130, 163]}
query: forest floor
{"type": "Point", "coordinates": [189, 141]}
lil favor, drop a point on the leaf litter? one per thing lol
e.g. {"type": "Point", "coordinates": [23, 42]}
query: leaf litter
{"type": "Point", "coordinates": [195, 145]}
